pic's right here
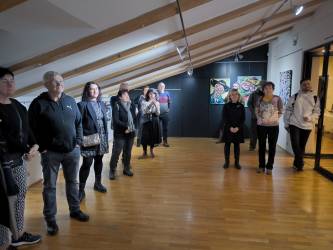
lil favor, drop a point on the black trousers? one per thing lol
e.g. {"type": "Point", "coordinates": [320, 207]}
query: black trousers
{"type": "Point", "coordinates": [124, 144]}
{"type": "Point", "coordinates": [253, 134]}
{"type": "Point", "coordinates": [272, 133]}
{"type": "Point", "coordinates": [227, 151]}
{"type": "Point", "coordinates": [298, 138]}
{"type": "Point", "coordinates": [164, 120]}
{"type": "Point", "coordinates": [85, 167]}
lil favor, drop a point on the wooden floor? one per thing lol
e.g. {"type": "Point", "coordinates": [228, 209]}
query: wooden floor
{"type": "Point", "coordinates": [184, 199]}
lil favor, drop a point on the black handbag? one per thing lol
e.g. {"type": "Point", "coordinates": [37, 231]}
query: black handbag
{"type": "Point", "coordinates": [9, 180]}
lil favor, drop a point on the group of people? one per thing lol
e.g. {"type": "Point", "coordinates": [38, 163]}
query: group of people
{"type": "Point", "coordinates": [301, 113]}
{"type": "Point", "coordinates": [61, 131]}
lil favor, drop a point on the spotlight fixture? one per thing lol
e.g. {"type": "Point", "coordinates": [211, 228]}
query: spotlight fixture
{"type": "Point", "coordinates": [181, 50]}
{"type": "Point", "coordinates": [190, 71]}
{"type": "Point", "coordinates": [238, 57]}
{"type": "Point", "coordinates": [298, 10]}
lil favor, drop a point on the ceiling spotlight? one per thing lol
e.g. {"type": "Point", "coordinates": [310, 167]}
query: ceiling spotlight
{"type": "Point", "coordinates": [298, 10]}
{"type": "Point", "coordinates": [181, 50]}
{"type": "Point", "coordinates": [236, 58]}
{"type": "Point", "coordinates": [190, 71]}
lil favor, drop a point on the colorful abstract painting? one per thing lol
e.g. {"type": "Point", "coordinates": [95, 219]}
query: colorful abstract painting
{"type": "Point", "coordinates": [219, 88]}
{"type": "Point", "coordinates": [285, 85]}
{"type": "Point", "coordinates": [246, 85]}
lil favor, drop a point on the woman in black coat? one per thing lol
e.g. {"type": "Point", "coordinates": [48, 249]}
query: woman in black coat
{"type": "Point", "coordinates": [233, 118]}
{"type": "Point", "coordinates": [94, 121]}
{"type": "Point", "coordinates": [124, 115]}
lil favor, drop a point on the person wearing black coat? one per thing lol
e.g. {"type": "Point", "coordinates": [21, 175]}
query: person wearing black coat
{"type": "Point", "coordinates": [94, 121]}
{"type": "Point", "coordinates": [233, 117]}
{"type": "Point", "coordinates": [17, 145]}
{"type": "Point", "coordinates": [124, 115]}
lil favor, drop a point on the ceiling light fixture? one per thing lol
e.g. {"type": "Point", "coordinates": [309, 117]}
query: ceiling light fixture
{"type": "Point", "coordinates": [181, 50]}
{"type": "Point", "coordinates": [190, 67]}
{"type": "Point", "coordinates": [298, 9]}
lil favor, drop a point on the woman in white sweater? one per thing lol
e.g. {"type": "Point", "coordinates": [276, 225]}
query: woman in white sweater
{"type": "Point", "coordinates": [150, 129]}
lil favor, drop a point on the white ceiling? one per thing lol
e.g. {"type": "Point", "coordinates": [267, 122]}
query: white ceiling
{"type": "Point", "coordinates": [38, 26]}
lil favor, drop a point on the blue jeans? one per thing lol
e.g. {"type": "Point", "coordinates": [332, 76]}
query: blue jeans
{"type": "Point", "coordinates": [70, 164]}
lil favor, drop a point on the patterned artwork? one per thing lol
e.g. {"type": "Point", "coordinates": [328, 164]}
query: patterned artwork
{"type": "Point", "coordinates": [219, 88]}
{"type": "Point", "coordinates": [285, 85]}
{"type": "Point", "coordinates": [246, 85]}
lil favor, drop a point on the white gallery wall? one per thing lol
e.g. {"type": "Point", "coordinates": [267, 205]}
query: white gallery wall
{"type": "Point", "coordinates": [286, 53]}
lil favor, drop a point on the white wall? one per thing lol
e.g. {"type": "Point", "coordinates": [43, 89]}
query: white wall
{"type": "Point", "coordinates": [284, 55]}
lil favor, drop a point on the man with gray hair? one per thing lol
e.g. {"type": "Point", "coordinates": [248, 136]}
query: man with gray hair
{"type": "Point", "coordinates": [56, 123]}
{"type": "Point", "coordinates": [165, 101]}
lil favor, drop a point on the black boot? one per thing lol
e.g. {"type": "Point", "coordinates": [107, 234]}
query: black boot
{"type": "Point", "coordinates": [98, 185]}
{"type": "Point", "coordinates": [112, 174]}
{"type": "Point", "coordinates": [237, 165]}
{"type": "Point", "coordinates": [226, 163]}
{"type": "Point", "coordinates": [127, 171]}
{"type": "Point", "coordinates": [82, 193]}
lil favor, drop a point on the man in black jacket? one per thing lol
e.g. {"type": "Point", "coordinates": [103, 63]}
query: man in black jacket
{"type": "Point", "coordinates": [251, 103]}
{"type": "Point", "coordinates": [56, 123]}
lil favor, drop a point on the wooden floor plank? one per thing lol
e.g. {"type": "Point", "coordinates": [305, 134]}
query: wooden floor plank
{"type": "Point", "coordinates": [184, 199]}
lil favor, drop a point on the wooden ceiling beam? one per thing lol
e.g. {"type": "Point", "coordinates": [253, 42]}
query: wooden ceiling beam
{"type": "Point", "coordinates": [8, 4]}
{"type": "Point", "coordinates": [81, 44]}
{"type": "Point", "coordinates": [195, 59]}
{"type": "Point", "coordinates": [171, 73]}
{"type": "Point", "coordinates": [111, 33]}
{"type": "Point", "coordinates": [114, 58]}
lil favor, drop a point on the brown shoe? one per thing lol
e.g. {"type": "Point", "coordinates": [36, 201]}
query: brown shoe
{"type": "Point", "coordinates": [165, 144]}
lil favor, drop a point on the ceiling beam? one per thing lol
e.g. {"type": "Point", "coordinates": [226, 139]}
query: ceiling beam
{"type": "Point", "coordinates": [140, 49]}
{"type": "Point", "coordinates": [79, 45]}
{"type": "Point", "coordinates": [171, 73]}
{"type": "Point", "coordinates": [195, 60]}
{"type": "Point", "coordinates": [8, 4]}
{"type": "Point", "coordinates": [198, 45]}
{"type": "Point", "coordinates": [111, 33]}
{"type": "Point", "coordinates": [262, 32]}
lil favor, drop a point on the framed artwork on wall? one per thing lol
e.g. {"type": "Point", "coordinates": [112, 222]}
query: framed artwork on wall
{"type": "Point", "coordinates": [219, 88]}
{"type": "Point", "coordinates": [285, 85]}
{"type": "Point", "coordinates": [246, 85]}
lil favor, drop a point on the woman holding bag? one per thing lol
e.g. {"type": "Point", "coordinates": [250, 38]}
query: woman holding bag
{"type": "Point", "coordinates": [17, 144]}
{"type": "Point", "coordinates": [95, 136]}
{"type": "Point", "coordinates": [150, 128]}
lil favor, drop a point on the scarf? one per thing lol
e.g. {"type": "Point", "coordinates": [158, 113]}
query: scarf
{"type": "Point", "coordinates": [127, 107]}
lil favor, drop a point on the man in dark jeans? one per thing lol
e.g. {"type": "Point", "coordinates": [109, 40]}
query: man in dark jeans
{"type": "Point", "coordinates": [165, 101]}
{"type": "Point", "coordinates": [302, 111]}
{"type": "Point", "coordinates": [56, 123]}
{"type": "Point", "coordinates": [123, 119]}
{"type": "Point", "coordinates": [251, 103]}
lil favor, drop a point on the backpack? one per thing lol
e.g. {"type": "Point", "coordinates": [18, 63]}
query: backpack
{"type": "Point", "coordinates": [293, 104]}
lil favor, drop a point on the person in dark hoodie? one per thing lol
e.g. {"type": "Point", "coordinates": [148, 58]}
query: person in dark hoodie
{"type": "Point", "coordinates": [251, 103]}
{"type": "Point", "coordinates": [56, 123]}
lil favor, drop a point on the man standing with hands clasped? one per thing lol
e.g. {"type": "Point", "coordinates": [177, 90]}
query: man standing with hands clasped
{"type": "Point", "coordinates": [302, 111]}
{"type": "Point", "coordinates": [56, 123]}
